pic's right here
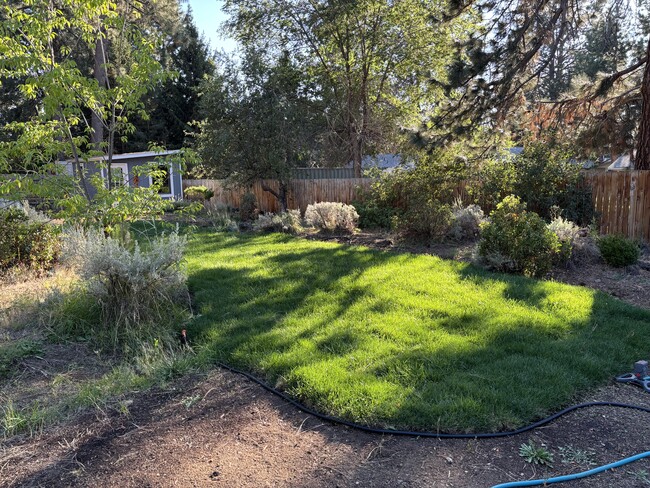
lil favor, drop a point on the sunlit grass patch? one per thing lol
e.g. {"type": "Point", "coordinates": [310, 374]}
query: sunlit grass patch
{"type": "Point", "coordinates": [403, 340]}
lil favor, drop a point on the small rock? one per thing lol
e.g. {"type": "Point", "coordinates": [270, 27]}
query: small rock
{"type": "Point", "coordinates": [633, 270]}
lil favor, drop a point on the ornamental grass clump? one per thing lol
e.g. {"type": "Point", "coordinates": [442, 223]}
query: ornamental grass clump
{"type": "Point", "coordinates": [288, 222]}
{"type": "Point", "coordinates": [134, 286]}
{"type": "Point", "coordinates": [331, 217]}
{"type": "Point", "coordinates": [465, 222]}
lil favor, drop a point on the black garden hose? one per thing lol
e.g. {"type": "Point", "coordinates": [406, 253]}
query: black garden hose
{"type": "Point", "coordinates": [436, 435]}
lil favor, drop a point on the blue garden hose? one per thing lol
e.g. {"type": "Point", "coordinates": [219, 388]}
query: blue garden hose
{"type": "Point", "coordinates": [570, 477]}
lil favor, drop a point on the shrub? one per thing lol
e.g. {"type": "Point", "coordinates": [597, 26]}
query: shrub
{"type": "Point", "coordinates": [27, 239]}
{"type": "Point", "coordinates": [289, 222]}
{"type": "Point", "coordinates": [566, 232]}
{"type": "Point", "coordinates": [135, 287]}
{"type": "Point", "coordinates": [374, 215]}
{"type": "Point", "coordinates": [198, 193]}
{"type": "Point", "coordinates": [618, 250]}
{"type": "Point", "coordinates": [416, 200]}
{"type": "Point", "coordinates": [177, 206]}
{"type": "Point", "coordinates": [219, 217]}
{"type": "Point", "coordinates": [331, 216]}
{"type": "Point", "coordinates": [429, 218]}
{"type": "Point", "coordinates": [516, 240]}
{"type": "Point", "coordinates": [543, 176]}
{"type": "Point", "coordinates": [465, 222]}
{"type": "Point", "coordinates": [248, 209]}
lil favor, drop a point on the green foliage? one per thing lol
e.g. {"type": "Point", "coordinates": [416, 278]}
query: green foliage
{"type": "Point", "coordinates": [418, 201]}
{"type": "Point", "coordinates": [618, 250]}
{"type": "Point", "coordinates": [113, 208]}
{"type": "Point", "coordinates": [536, 454]}
{"type": "Point", "coordinates": [516, 240]}
{"type": "Point", "coordinates": [56, 41]}
{"type": "Point", "coordinates": [258, 124]}
{"type": "Point", "coordinates": [494, 181]}
{"type": "Point", "coordinates": [373, 215]}
{"type": "Point", "coordinates": [542, 176]}
{"type": "Point", "coordinates": [172, 106]}
{"type": "Point", "coordinates": [26, 242]}
{"type": "Point", "coordinates": [200, 193]}
{"type": "Point", "coordinates": [331, 217]}
{"type": "Point", "coordinates": [347, 49]}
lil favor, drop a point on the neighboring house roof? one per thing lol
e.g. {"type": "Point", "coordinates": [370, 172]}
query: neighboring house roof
{"type": "Point", "coordinates": [623, 163]}
{"type": "Point", "coordinates": [136, 155]}
{"type": "Point", "coordinates": [133, 155]}
{"type": "Point", "coordinates": [383, 161]}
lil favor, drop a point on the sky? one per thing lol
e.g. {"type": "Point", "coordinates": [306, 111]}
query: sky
{"type": "Point", "coordinates": [208, 18]}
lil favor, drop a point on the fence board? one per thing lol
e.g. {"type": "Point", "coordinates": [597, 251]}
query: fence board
{"type": "Point", "coordinates": [301, 192]}
{"type": "Point", "coordinates": [621, 199]}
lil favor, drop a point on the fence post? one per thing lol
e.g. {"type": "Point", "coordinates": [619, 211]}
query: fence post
{"type": "Point", "coordinates": [632, 223]}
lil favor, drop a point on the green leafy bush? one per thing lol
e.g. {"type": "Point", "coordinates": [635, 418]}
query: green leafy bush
{"type": "Point", "coordinates": [618, 250]}
{"type": "Point", "coordinates": [198, 193]}
{"type": "Point", "coordinates": [332, 216]}
{"type": "Point", "coordinates": [416, 201]}
{"type": "Point", "coordinates": [374, 215]}
{"type": "Point", "coordinates": [543, 176]}
{"type": "Point", "coordinates": [27, 241]}
{"type": "Point", "coordinates": [135, 287]}
{"type": "Point", "coordinates": [288, 222]}
{"type": "Point", "coordinates": [515, 240]}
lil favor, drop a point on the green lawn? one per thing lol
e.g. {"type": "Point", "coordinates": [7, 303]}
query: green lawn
{"type": "Point", "coordinates": [401, 340]}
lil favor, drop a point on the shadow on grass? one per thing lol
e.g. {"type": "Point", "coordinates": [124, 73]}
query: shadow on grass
{"type": "Point", "coordinates": [401, 340]}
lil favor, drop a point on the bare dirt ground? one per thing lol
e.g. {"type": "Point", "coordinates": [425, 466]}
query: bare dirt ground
{"type": "Point", "coordinates": [220, 429]}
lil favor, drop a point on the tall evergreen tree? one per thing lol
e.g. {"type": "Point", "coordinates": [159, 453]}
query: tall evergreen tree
{"type": "Point", "coordinates": [173, 105]}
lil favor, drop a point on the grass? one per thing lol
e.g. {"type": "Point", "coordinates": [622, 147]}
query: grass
{"type": "Point", "coordinates": [400, 340]}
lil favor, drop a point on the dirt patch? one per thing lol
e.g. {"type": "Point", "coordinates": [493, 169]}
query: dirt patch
{"type": "Point", "coordinates": [224, 430]}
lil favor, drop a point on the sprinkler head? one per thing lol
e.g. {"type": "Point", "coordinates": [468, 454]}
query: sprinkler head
{"type": "Point", "coordinates": [641, 369]}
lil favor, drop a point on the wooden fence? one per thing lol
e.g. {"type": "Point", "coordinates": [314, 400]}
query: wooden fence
{"type": "Point", "coordinates": [621, 199]}
{"type": "Point", "coordinates": [300, 193]}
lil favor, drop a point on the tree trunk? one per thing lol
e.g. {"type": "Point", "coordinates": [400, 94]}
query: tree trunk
{"type": "Point", "coordinates": [97, 135]}
{"type": "Point", "coordinates": [281, 195]}
{"type": "Point", "coordinates": [642, 157]}
{"type": "Point", "coordinates": [357, 154]}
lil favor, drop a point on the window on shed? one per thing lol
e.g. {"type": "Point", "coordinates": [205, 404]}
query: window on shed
{"type": "Point", "coordinates": [163, 180]}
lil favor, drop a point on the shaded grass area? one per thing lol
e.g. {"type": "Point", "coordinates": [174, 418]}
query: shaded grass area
{"type": "Point", "coordinates": [400, 340]}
